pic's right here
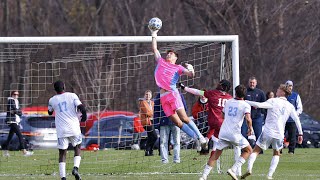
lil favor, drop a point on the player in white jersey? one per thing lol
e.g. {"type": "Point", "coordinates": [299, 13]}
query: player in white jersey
{"type": "Point", "coordinates": [230, 133]}
{"type": "Point", "coordinates": [279, 110]}
{"type": "Point", "coordinates": [65, 105]}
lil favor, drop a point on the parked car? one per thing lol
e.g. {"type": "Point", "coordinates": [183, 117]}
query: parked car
{"type": "Point", "coordinates": [38, 131]}
{"type": "Point", "coordinates": [92, 117]}
{"type": "Point", "coordinates": [113, 132]}
{"type": "Point", "coordinates": [311, 131]}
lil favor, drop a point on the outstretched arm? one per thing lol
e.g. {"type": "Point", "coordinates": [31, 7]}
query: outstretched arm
{"type": "Point", "coordinates": [264, 105]}
{"type": "Point", "coordinates": [191, 90]}
{"type": "Point", "coordinates": [156, 52]}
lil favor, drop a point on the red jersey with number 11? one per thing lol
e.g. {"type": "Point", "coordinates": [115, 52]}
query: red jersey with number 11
{"type": "Point", "coordinates": [216, 102]}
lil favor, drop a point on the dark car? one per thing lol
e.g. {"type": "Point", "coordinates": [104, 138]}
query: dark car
{"type": "Point", "coordinates": [113, 132]}
{"type": "Point", "coordinates": [38, 131]}
{"type": "Point", "coordinates": [311, 131]}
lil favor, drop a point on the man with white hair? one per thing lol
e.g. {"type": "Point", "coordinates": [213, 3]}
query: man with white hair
{"type": "Point", "coordinates": [295, 100]}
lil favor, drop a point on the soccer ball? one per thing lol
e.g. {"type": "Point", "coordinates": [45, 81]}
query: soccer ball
{"type": "Point", "coordinates": [155, 24]}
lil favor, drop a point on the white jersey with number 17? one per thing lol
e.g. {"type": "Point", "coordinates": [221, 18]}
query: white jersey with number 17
{"type": "Point", "coordinates": [234, 112]}
{"type": "Point", "coordinates": [65, 107]}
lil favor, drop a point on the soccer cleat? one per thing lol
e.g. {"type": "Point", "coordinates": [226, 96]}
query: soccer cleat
{"type": "Point", "coordinates": [248, 173]}
{"type": "Point", "coordinates": [232, 174]}
{"type": "Point", "coordinates": [63, 178]}
{"type": "Point", "coordinates": [203, 177]}
{"type": "Point", "coordinates": [28, 153]}
{"type": "Point", "coordinates": [204, 143]}
{"type": "Point", "coordinates": [76, 173]}
{"type": "Point", "coordinates": [269, 177]}
{"type": "Point", "coordinates": [6, 153]}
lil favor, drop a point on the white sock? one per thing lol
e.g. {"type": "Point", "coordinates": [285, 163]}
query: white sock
{"type": "Point", "coordinates": [237, 153]}
{"type": "Point", "coordinates": [273, 165]}
{"type": "Point", "coordinates": [251, 160]}
{"type": "Point", "coordinates": [238, 164]}
{"type": "Point", "coordinates": [76, 161]}
{"type": "Point", "coordinates": [206, 170]}
{"type": "Point", "coordinates": [62, 169]}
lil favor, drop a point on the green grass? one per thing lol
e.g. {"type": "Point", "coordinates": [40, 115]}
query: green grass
{"type": "Point", "coordinates": [127, 164]}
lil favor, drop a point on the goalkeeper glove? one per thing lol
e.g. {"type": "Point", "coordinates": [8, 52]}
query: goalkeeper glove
{"type": "Point", "coordinates": [190, 68]}
{"type": "Point", "coordinates": [182, 86]}
{"type": "Point", "coordinates": [154, 33]}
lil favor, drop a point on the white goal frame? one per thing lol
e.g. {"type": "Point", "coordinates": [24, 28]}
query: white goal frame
{"type": "Point", "coordinates": [234, 39]}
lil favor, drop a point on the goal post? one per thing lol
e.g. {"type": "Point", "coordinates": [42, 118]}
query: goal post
{"type": "Point", "coordinates": [110, 74]}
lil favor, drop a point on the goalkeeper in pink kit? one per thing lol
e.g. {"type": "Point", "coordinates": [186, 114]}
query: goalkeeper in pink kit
{"type": "Point", "coordinates": [167, 74]}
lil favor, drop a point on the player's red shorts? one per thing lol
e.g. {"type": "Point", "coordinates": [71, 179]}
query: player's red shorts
{"type": "Point", "coordinates": [214, 129]}
{"type": "Point", "coordinates": [171, 101]}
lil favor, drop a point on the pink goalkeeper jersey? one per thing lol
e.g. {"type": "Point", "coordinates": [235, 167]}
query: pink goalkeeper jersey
{"type": "Point", "coordinates": [167, 74]}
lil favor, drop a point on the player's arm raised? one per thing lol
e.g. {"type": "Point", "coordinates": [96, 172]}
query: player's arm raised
{"type": "Point", "coordinates": [156, 52]}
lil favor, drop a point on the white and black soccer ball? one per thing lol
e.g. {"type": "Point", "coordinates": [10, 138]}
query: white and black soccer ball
{"type": "Point", "coordinates": [155, 24]}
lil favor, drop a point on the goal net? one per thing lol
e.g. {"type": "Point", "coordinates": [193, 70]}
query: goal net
{"type": "Point", "coordinates": [109, 74]}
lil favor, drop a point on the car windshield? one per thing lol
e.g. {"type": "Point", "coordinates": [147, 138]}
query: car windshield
{"type": "Point", "coordinates": [306, 119]}
{"type": "Point", "coordinates": [42, 122]}
{"type": "Point", "coordinates": [114, 123]}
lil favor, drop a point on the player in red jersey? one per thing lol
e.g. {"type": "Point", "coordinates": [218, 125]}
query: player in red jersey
{"type": "Point", "coordinates": [216, 102]}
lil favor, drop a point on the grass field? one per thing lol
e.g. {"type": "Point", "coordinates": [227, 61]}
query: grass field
{"type": "Point", "coordinates": [127, 164]}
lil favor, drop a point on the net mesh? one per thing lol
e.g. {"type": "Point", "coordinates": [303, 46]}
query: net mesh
{"type": "Point", "coordinates": [108, 77]}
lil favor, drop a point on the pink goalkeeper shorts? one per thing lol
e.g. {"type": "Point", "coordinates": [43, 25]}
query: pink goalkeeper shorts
{"type": "Point", "coordinates": [171, 101]}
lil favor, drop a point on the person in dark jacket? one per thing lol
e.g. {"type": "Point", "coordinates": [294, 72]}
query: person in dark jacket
{"type": "Point", "coordinates": [291, 128]}
{"type": "Point", "coordinates": [257, 95]}
{"type": "Point", "coordinates": [13, 119]}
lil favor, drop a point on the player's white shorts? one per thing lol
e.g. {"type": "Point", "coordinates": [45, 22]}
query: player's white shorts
{"type": "Point", "coordinates": [221, 144]}
{"type": "Point", "coordinates": [63, 142]}
{"type": "Point", "coordinates": [264, 142]}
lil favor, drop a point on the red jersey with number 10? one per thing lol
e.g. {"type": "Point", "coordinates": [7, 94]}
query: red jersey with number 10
{"type": "Point", "coordinates": [216, 102]}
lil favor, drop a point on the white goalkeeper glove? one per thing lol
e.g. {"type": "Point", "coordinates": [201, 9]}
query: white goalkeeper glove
{"type": "Point", "coordinates": [190, 68]}
{"type": "Point", "coordinates": [154, 33]}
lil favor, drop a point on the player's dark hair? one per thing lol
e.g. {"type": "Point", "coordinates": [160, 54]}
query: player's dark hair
{"type": "Point", "coordinates": [58, 86]}
{"type": "Point", "coordinates": [224, 85]}
{"type": "Point", "coordinates": [171, 50]}
{"type": "Point", "coordinates": [241, 91]}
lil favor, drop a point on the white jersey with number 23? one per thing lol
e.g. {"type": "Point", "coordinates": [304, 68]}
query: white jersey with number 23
{"type": "Point", "coordinates": [234, 112]}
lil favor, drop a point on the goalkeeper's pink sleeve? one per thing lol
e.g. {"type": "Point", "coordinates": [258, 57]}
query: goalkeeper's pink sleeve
{"type": "Point", "coordinates": [194, 91]}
